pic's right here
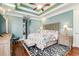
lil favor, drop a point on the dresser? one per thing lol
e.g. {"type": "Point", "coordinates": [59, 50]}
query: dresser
{"type": "Point", "coordinates": [65, 40]}
{"type": "Point", "coordinates": [5, 45]}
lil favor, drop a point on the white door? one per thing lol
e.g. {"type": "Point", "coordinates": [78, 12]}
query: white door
{"type": "Point", "coordinates": [76, 27]}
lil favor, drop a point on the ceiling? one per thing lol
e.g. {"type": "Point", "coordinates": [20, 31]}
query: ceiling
{"type": "Point", "coordinates": [28, 8]}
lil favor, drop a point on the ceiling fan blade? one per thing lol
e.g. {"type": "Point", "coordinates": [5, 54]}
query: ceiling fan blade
{"type": "Point", "coordinates": [32, 3]}
{"type": "Point", "coordinates": [42, 9]}
{"type": "Point", "coordinates": [47, 4]}
{"type": "Point", "coordinates": [34, 8]}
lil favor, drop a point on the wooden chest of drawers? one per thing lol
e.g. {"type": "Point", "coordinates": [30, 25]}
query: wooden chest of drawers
{"type": "Point", "coordinates": [5, 45]}
{"type": "Point", "coordinates": [65, 40]}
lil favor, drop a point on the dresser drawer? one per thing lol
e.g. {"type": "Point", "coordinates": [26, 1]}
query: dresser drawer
{"type": "Point", "coordinates": [65, 40]}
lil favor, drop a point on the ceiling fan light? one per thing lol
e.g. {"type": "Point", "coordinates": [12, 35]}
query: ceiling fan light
{"type": "Point", "coordinates": [39, 7]}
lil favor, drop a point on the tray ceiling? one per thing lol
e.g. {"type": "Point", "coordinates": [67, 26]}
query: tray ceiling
{"type": "Point", "coordinates": [29, 8]}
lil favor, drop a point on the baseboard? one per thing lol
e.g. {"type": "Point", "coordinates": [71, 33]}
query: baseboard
{"type": "Point", "coordinates": [75, 46]}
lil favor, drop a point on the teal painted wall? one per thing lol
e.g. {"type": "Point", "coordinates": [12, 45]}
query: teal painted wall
{"type": "Point", "coordinates": [15, 26]}
{"type": "Point", "coordinates": [15, 23]}
{"type": "Point", "coordinates": [64, 18]}
{"type": "Point", "coordinates": [2, 24]}
{"type": "Point", "coordinates": [35, 26]}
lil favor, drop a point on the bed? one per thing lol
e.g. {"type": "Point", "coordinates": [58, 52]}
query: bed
{"type": "Point", "coordinates": [46, 42]}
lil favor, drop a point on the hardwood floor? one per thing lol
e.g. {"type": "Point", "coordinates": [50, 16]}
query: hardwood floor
{"type": "Point", "coordinates": [74, 52]}
{"type": "Point", "coordinates": [18, 50]}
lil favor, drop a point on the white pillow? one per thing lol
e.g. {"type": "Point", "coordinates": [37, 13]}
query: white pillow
{"type": "Point", "coordinates": [41, 45]}
{"type": "Point", "coordinates": [52, 33]}
{"type": "Point", "coordinates": [29, 42]}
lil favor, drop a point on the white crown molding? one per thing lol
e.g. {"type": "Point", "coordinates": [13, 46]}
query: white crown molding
{"type": "Point", "coordinates": [23, 13]}
{"type": "Point", "coordinates": [26, 9]}
{"type": "Point", "coordinates": [8, 5]}
{"type": "Point", "coordinates": [51, 11]}
{"type": "Point", "coordinates": [62, 9]}
{"type": "Point", "coordinates": [17, 14]}
{"type": "Point", "coordinates": [58, 10]}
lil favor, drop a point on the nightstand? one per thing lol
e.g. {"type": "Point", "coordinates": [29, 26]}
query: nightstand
{"type": "Point", "coordinates": [65, 40]}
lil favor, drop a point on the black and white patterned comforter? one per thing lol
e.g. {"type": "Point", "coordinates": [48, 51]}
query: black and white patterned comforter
{"type": "Point", "coordinates": [53, 50]}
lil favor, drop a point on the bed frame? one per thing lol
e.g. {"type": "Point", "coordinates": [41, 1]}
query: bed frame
{"type": "Point", "coordinates": [52, 26]}
{"type": "Point", "coordinates": [56, 26]}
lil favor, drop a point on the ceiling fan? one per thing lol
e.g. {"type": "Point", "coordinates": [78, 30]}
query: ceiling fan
{"type": "Point", "coordinates": [40, 6]}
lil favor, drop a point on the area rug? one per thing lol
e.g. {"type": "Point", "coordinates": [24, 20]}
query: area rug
{"type": "Point", "coordinates": [53, 50]}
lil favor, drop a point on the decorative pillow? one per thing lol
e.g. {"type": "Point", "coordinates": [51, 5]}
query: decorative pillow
{"type": "Point", "coordinates": [52, 38]}
{"type": "Point", "coordinates": [50, 34]}
{"type": "Point", "coordinates": [41, 45]}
